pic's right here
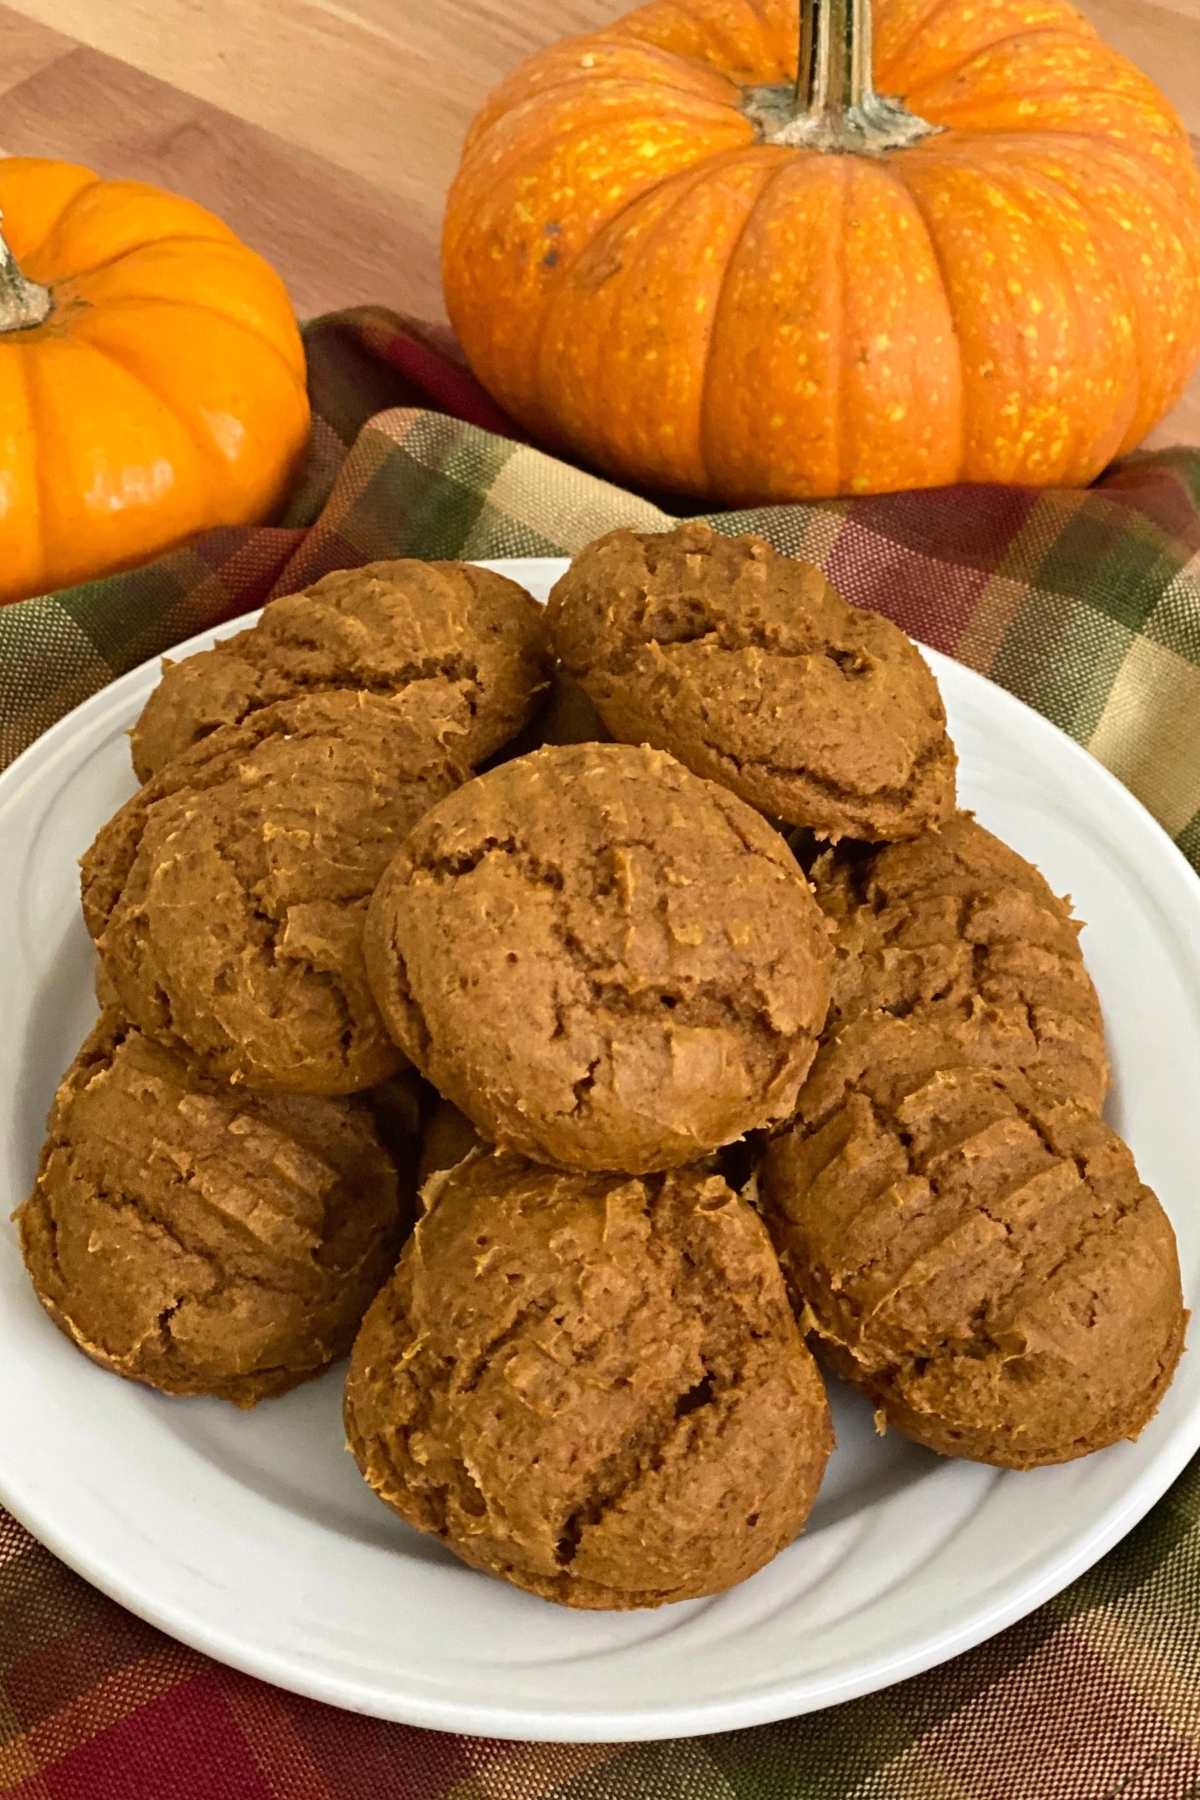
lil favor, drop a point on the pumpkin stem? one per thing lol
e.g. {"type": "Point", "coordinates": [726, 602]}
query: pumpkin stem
{"type": "Point", "coordinates": [833, 105]}
{"type": "Point", "coordinates": [23, 303]}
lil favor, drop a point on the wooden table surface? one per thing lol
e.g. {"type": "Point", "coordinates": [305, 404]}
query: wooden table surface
{"type": "Point", "coordinates": [326, 131]}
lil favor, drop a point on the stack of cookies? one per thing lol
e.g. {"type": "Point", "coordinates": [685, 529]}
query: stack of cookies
{"type": "Point", "coordinates": [225, 1185]}
{"type": "Point", "coordinates": [698, 1032]}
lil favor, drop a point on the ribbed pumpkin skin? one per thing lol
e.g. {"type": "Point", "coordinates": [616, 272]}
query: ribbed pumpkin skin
{"type": "Point", "coordinates": [636, 277]}
{"type": "Point", "coordinates": [164, 394]}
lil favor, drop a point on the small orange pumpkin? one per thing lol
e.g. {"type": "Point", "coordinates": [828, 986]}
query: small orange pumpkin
{"type": "Point", "coordinates": [151, 376]}
{"type": "Point", "coordinates": [670, 256]}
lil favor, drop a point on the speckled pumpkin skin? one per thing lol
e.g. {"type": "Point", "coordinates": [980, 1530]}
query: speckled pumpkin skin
{"type": "Point", "coordinates": [641, 280]}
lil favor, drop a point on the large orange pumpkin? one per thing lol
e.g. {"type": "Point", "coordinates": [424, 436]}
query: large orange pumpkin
{"type": "Point", "coordinates": [665, 253]}
{"type": "Point", "coordinates": [151, 375]}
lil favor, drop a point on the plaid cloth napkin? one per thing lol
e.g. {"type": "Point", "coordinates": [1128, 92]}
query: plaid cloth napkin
{"type": "Point", "coordinates": [1087, 605]}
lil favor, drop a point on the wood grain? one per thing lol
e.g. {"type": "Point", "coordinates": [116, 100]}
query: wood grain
{"type": "Point", "coordinates": [327, 131]}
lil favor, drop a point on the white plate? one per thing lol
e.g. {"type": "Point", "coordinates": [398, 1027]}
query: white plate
{"type": "Point", "coordinates": [252, 1537]}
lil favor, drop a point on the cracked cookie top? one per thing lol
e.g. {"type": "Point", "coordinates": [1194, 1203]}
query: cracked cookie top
{"type": "Point", "coordinates": [954, 931]}
{"type": "Point", "coordinates": [983, 1259]}
{"type": "Point", "coordinates": [205, 1240]}
{"type": "Point", "coordinates": [591, 1385]}
{"type": "Point", "coordinates": [463, 648]}
{"type": "Point", "coordinates": [749, 668]}
{"type": "Point", "coordinates": [602, 960]}
{"type": "Point", "coordinates": [227, 898]}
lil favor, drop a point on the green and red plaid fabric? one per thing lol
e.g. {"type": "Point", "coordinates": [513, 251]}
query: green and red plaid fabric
{"type": "Point", "coordinates": [1087, 605]}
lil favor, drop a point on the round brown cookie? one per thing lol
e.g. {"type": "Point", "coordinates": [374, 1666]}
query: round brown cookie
{"type": "Point", "coordinates": [590, 1385]}
{"type": "Point", "coordinates": [955, 926]}
{"type": "Point", "coordinates": [984, 1260]}
{"type": "Point", "coordinates": [466, 648]}
{"type": "Point", "coordinates": [603, 961]}
{"type": "Point", "coordinates": [227, 898]}
{"type": "Point", "coordinates": [204, 1240]}
{"type": "Point", "coordinates": [747, 666]}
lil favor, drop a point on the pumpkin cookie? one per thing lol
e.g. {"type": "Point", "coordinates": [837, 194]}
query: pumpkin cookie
{"type": "Point", "coordinates": [955, 927]}
{"type": "Point", "coordinates": [463, 647]}
{"type": "Point", "coordinates": [591, 1386]}
{"type": "Point", "coordinates": [984, 1260]}
{"type": "Point", "coordinates": [227, 898]}
{"type": "Point", "coordinates": [603, 961]}
{"type": "Point", "coordinates": [203, 1240]}
{"type": "Point", "coordinates": [749, 668]}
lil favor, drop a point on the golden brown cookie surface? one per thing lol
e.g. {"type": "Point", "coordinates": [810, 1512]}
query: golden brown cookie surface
{"type": "Point", "coordinates": [591, 1386]}
{"type": "Point", "coordinates": [463, 648]}
{"type": "Point", "coordinates": [749, 668]}
{"type": "Point", "coordinates": [202, 1240]}
{"type": "Point", "coordinates": [602, 960]}
{"type": "Point", "coordinates": [955, 929]}
{"type": "Point", "coordinates": [984, 1260]}
{"type": "Point", "coordinates": [228, 897]}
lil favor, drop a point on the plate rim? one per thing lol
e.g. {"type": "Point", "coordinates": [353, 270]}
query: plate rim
{"type": "Point", "coordinates": [597, 1724]}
